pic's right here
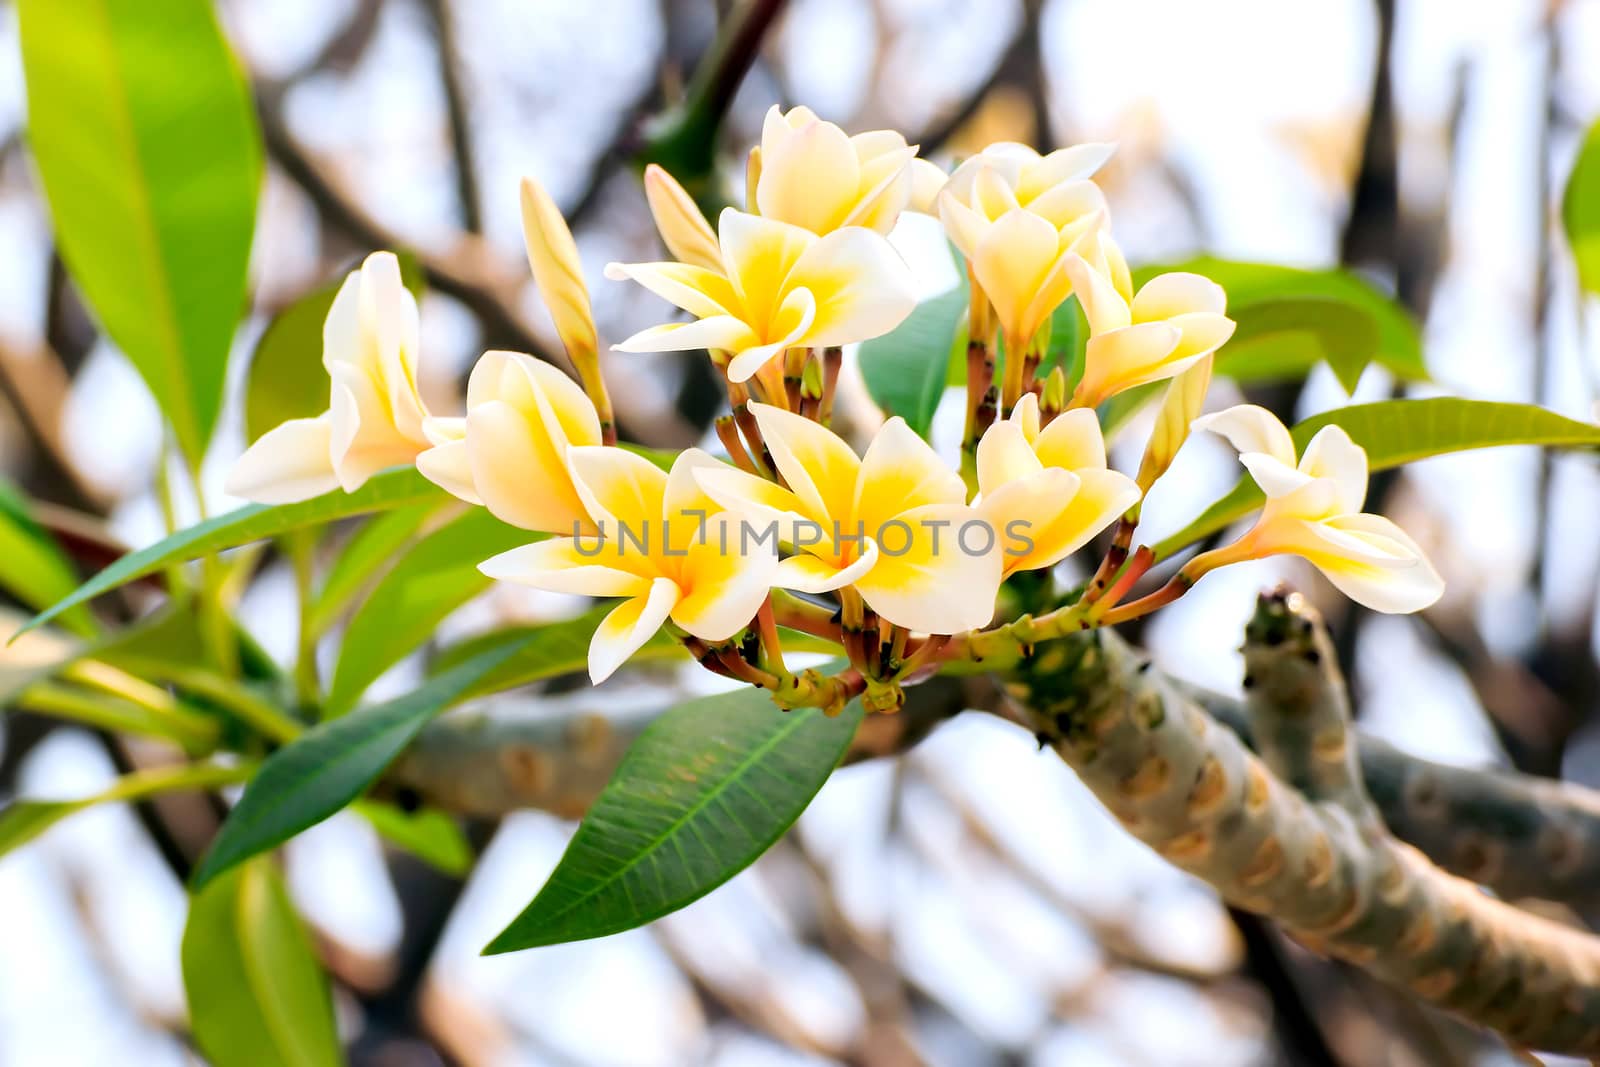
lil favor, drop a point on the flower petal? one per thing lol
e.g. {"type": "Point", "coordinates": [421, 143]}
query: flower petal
{"type": "Point", "coordinates": [723, 333]}
{"type": "Point", "coordinates": [288, 463]}
{"type": "Point", "coordinates": [569, 565]}
{"type": "Point", "coordinates": [809, 175]}
{"type": "Point", "coordinates": [757, 255]}
{"type": "Point", "coordinates": [901, 472]}
{"type": "Point", "coordinates": [794, 319]}
{"type": "Point", "coordinates": [813, 574]}
{"type": "Point", "coordinates": [1333, 455]}
{"type": "Point", "coordinates": [1026, 515]}
{"type": "Point", "coordinates": [1177, 293]}
{"type": "Point", "coordinates": [519, 469]}
{"type": "Point", "coordinates": [1251, 428]}
{"type": "Point", "coordinates": [621, 490]}
{"type": "Point", "coordinates": [863, 289]}
{"type": "Point", "coordinates": [1012, 261]}
{"type": "Point", "coordinates": [1004, 456]}
{"type": "Point", "coordinates": [361, 439]}
{"type": "Point", "coordinates": [1072, 441]}
{"type": "Point", "coordinates": [684, 230]}
{"type": "Point", "coordinates": [1069, 164]}
{"type": "Point", "coordinates": [1371, 560]}
{"type": "Point", "coordinates": [1133, 355]}
{"type": "Point", "coordinates": [630, 624]}
{"type": "Point", "coordinates": [816, 462]}
{"type": "Point", "coordinates": [938, 570]}
{"type": "Point", "coordinates": [449, 466]}
{"type": "Point", "coordinates": [1102, 304]}
{"type": "Point", "coordinates": [927, 179]}
{"type": "Point", "coordinates": [724, 579]}
{"type": "Point", "coordinates": [700, 291]}
{"type": "Point", "coordinates": [1275, 479]}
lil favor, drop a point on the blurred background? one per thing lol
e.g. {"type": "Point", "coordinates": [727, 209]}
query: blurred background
{"type": "Point", "coordinates": [967, 903]}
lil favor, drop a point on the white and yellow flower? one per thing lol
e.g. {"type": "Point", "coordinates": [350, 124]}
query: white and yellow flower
{"type": "Point", "coordinates": [1048, 491]}
{"type": "Point", "coordinates": [1313, 510]}
{"type": "Point", "coordinates": [375, 414]}
{"type": "Point", "coordinates": [812, 174]}
{"type": "Point", "coordinates": [1017, 252]}
{"type": "Point", "coordinates": [1173, 322]}
{"type": "Point", "coordinates": [779, 287]}
{"type": "Point", "coordinates": [662, 543]}
{"type": "Point", "coordinates": [892, 523]}
{"type": "Point", "coordinates": [509, 453]}
{"type": "Point", "coordinates": [1028, 175]}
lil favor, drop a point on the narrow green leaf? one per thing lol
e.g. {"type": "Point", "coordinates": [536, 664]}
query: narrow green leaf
{"type": "Point", "coordinates": [438, 575]}
{"type": "Point", "coordinates": [25, 820]}
{"type": "Point", "coordinates": [1126, 404]}
{"type": "Point", "coordinates": [1580, 211]}
{"type": "Point", "coordinates": [427, 833]}
{"type": "Point", "coordinates": [257, 997]}
{"type": "Point", "coordinates": [1069, 336]}
{"type": "Point", "coordinates": [704, 791]}
{"type": "Point", "coordinates": [372, 550]}
{"type": "Point", "coordinates": [391, 489]}
{"type": "Point", "coordinates": [1396, 432]}
{"type": "Point", "coordinates": [146, 141]}
{"type": "Point", "coordinates": [905, 370]}
{"type": "Point", "coordinates": [32, 566]}
{"type": "Point", "coordinates": [328, 766]}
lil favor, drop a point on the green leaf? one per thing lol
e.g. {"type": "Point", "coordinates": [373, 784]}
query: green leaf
{"type": "Point", "coordinates": [328, 766]}
{"type": "Point", "coordinates": [1290, 318]}
{"type": "Point", "coordinates": [32, 566]}
{"type": "Point", "coordinates": [1396, 432]}
{"type": "Point", "coordinates": [1580, 211]}
{"type": "Point", "coordinates": [145, 137]}
{"type": "Point", "coordinates": [372, 550]}
{"type": "Point", "coordinates": [427, 833]}
{"type": "Point", "coordinates": [1069, 336]}
{"type": "Point", "coordinates": [704, 791]}
{"type": "Point", "coordinates": [438, 575]}
{"type": "Point", "coordinates": [257, 997]}
{"type": "Point", "coordinates": [546, 651]}
{"type": "Point", "coordinates": [905, 370]}
{"type": "Point", "coordinates": [25, 820]}
{"type": "Point", "coordinates": [287, 379]}
{"type": "Point", "coordinates": [391, 489]}
{"type": "Point", "coordinates": [1126, 404]}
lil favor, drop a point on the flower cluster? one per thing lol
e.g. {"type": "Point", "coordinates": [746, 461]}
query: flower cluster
{"type": "Point", "coordinates": [891, 553]}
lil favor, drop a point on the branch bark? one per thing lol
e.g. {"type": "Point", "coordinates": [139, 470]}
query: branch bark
{"type": "Point", "coordinates": [1333, 877]}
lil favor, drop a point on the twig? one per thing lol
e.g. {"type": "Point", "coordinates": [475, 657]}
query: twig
{"type": "Point", "coordinates": [455, 95]}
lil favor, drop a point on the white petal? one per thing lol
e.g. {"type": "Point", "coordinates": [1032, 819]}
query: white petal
{"type": "Point", "coordinates": [1177, 293]}
{"type": "Point", "coordinates": [900, 472]}
{"type": "Point", "coordinates": [699, 291]}
{"type": "Point", "coordinates": [1333, 455]}
{"type": "Point", "coordinates": [722, 333]}
{"type": "Point", "coordinates": [723, 579]}
{"type": "Point", "coordinates": [449, 466]}
{"type": "Point", "coordinates": [1249, 428]}
{"type": "Point", "coordinates": [862, 288]}
{"type": "Point", "coordinates": [1396, 589]}
{"type": "Point", "coordinates": [288, 463]}
{"type": "Point", "coordinates": [1275, 479]}
{"type": "Point", "coordinates": [567, 565]}
{"type": "Point", "coordinates": [945, 589]}
{"type": "Point", "coordinates": [811, 574]}
{"type": "Point", "coordinates": [632, 623]}
{"type": "Point", "coordinates": [1072, 441]}
{"type": "Point", "coordinates": [816, 462]}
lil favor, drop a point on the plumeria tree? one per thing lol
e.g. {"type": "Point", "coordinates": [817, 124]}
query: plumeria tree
{"type": "Point", "coordinates": [853, 589]}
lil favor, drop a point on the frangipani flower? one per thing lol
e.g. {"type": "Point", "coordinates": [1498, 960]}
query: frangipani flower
{"type": "Point", "coordinates": [779, 287]}
{"type": "Point", "coordinates": [1048, 490]}
{"type": "Point", "coordinates": [812, 174]}
{"type": "Point", "coordinates": [1026, 173]}
{"type": "Point", "coordinates": [892, 523]}
{"type": "Point", "coordinates": [1313, 510]}
{"type": "Point", "coordinates": [1017, 253]}
{"type": "Point", "coordinates": [1172, 323]}
{"type": "Point", "coordinates": [375, 414]}
{"type": "Point", "coordinates": [509, 453]}
{"type": "Point", "coordinates": [662, 543]}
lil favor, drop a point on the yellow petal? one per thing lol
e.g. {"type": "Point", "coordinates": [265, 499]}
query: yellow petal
{"type": "Point", "coordinates": [758, 254]}
{"type": "Point", "coordinates": [570, 565]}
{"type": "Point", "coordinates": [362, 439]}
{"type": "Point", "coordinates": [1026, 415]}
{"type": "Point", "coordinates": [700, 291]}
{"type": "Point", "coordinates": [862, 288]}
{"type": "Point", "coordinates": [632, 623]}
{"type": "Point", "coordinates": [1012, 262]}
{"type": "Point", "coordinates": [927, 180]}
{"type": "Point", "coordinates": [790, 327]}
{"type": "Point", "coordinates": [1178, 293]}
{"type": "Point", "coordinates": [900, 472]}
{"type": "Point", "coordinates": [1133, 355]}
{"type": "Point", "coordinates": [519, 469]}
{"type": "Point", "coordinates": [371, 336]}
{"type": "Point", "coordinates": [938, 570]}
{"type": "Point", "coordinates": [809, 175]}
{"type": "Point", "coordinates": [817, 464]}
{"type": "Point", "coordinates": [992, 196]}
{"type": "Point", "coordinates": [1072, 441]}
{"type": "Point", "coordinates": [1075, 204]}
{"type": "Point", "coordinates": [964, 226]}
{"type": "Point", "coordinates": [557, 271]}
{"type": "Point", "coordinates": [288, 463]}
{"type": "Point", "coordinates": [723, 333]}
{"type": "Point", "coordinates": [624, 492]}
{"type": "Point", "coordinates": [1104, 307]}
{"type": "Point", "coordinates": [813, 574]}
{"type": "Point", "coordinates": [449, 466]}
{"type": "Point", "coordinates": [723, 579]}
{"type": "Point", "coordinates": [1070, 164]}
{"type": "Point", "coordinates": [1394, 589]}
{"type": "Point", "coordinates": [1180, 407]}
{"type": "Point", "coordinates": [534, 386]}
{"type": "Point", "coordinates": [684, 230]}
{"type": "Point", "coordinates": [1004, 456]}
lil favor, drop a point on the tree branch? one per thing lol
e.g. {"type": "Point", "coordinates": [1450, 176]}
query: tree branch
{"type": "Point", "coordinates": [1335, 881]}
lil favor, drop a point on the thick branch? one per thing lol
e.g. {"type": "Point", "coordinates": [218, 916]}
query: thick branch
{"type": "Point", "coordinates": [1195, 794]}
